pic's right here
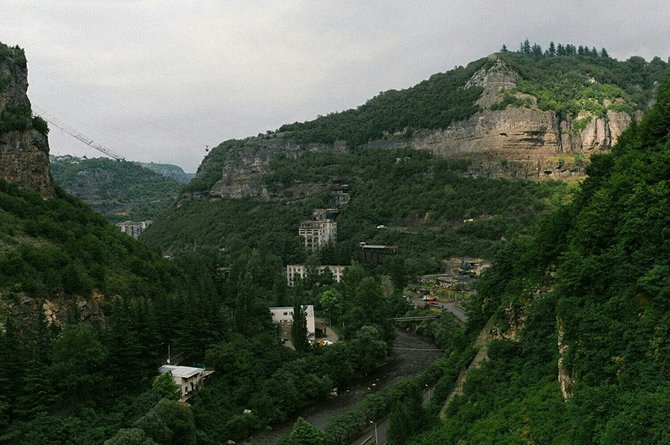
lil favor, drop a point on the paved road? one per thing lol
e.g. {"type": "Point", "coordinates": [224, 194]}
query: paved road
{"type": "Point", "coordinates": [454, 308]}
{"type": "Point", "coordinates": [414, 353]}
{"type": "Point", "coordinates": [368, 436]}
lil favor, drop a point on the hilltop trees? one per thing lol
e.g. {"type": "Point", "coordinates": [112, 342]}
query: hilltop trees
{"type": "Point", "coordinates": [559, 49]}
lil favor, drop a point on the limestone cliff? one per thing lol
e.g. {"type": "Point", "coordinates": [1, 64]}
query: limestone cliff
{"type": "Point", "coordinates": [235, 170]}
{"type": "Point", "coordinates": [511, 133]}
{"type": "Point", "coordinates": [517, 141]}
{"type": "Point", "coordinates": [24, 149]}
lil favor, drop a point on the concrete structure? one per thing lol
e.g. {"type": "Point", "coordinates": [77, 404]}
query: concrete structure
{"type": "Point", "coordinates": [132, 228]}
{"type": "Point", "coordinates": [284, 315]}
{"type": "Point", "coordinates": [374, 253]}
{"type": "Point", "coordinates": [187, 379]}
{"type": "Point", "coordinates": [324, 214]}
{"type": "Point", "coordinates": [299, 272]}
{"type": "Point", "coordinates": [318, 233]}
{"type": "Point", "coordinates": [340, 197]}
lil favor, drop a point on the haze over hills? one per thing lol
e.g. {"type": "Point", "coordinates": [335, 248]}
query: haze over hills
{"type": "Point", "coordinates": [120, 190]}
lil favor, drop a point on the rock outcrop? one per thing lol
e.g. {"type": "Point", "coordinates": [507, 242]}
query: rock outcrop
{"type": "Point", "coordinates": [245, 163]}
{"type": "Point", "coordinates": [24, 151]}
{"type": "Point", "coordinates": [519, 140]}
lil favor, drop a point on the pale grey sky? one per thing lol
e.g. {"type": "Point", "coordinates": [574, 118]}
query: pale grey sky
{"type": "Point", "coordinates": [157, 80]}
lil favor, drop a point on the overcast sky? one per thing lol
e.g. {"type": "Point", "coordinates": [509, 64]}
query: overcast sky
{"type": "Point", "coordinates": [158, 80]}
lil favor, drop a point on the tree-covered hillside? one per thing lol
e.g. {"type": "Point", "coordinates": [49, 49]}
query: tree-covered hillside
{"type": "Point", "coordinates": [119, 190]}
{"type": "Point", "coordinates": [87, 315]}
{"type": "Point", "coordinates": [585, 297]}
{"type": "Point", "coordinates": [422, 202]}
{"type": "Point", "coordinates": [566, 83]}
{"type": "Point", "coordinates": [169, 171]}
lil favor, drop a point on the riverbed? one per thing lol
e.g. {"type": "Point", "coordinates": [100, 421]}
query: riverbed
{"type": "Point", "coordinates": [414, 354]}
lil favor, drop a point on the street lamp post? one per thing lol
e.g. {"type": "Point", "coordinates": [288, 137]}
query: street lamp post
{"type": "Point", "coordinates": [376, 436]}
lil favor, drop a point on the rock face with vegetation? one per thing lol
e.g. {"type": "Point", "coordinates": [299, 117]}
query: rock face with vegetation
{"type": "Point", "coordinates": [169, 171]}
{"type": "Point", "coordinates": [513, 135]}
{"type": "Point", "coordinates": [587, 298]}
{"type": "Point", "coordinates": [24, 149]}
{"type": "Point", "coordinates": [519, 115]}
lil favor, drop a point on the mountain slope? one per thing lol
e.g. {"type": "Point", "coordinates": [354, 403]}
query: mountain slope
{"type": "Point", "coordinates": [513, 115]}
{"type": "Point", "coordinates": [582, 312]}
{"type": "Point", "coordinates": [119, 190]}
{"type": "Point", "coordinates": [428, 206]}
{"type": "Point", "coordinates": [169, 171]}
{"type": "Point", "coordinates": [423, 161]}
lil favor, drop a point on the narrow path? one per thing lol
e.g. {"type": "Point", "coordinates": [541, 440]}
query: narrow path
{"type": "Point", "coordinates": [481, 345]}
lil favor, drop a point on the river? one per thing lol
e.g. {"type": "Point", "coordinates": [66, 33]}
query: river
{"type": "Point", "coordinates": [410, 361]}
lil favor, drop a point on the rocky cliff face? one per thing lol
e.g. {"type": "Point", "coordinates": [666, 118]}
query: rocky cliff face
{"type": "Point", "coordinates": [245, 163]}
{"type": "Point", "coordinates": [520, 140]}
{"type": "Point", "coordinates": [24, 151]}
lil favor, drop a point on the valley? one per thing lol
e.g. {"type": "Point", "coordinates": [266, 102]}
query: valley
{"type": "Point", "coordinates": [488, 249]}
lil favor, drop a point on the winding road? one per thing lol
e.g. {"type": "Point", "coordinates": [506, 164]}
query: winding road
{"type": "Point", "coordinates": [414, 353]}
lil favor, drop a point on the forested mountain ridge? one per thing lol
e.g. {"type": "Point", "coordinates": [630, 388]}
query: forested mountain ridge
{"type": "Point", "coordinates": [169, 171]}
{"type": "Point", "coordinates": [554, 109]}
{"type": "Point", "coordinates": [85, 310]}
{"type": "Point", "coordinates": [582, 313]}
{"type": "Point", "coordinates": [512, 114]}
{"type": "Point", "coordinates": [120, 190]}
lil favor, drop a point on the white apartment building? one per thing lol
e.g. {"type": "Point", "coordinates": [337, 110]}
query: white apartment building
{"type": "Point", "coordinates": [285, 315]}
{"type": "Point", "coordinates": [299, 272]}
{"type": "Point", "coordinates": [132, 228]}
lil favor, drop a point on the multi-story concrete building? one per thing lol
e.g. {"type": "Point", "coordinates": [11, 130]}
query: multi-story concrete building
{"type": "Point", "coordinates": [318, 233]}
{"type": "Point", "coordinates": [132, 228]}
{"type": "Point", "coordinates": [299, 272]}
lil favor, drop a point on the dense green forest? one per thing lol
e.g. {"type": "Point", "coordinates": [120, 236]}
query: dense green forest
{"type": "Point", "coordinates": [120, 190]}
{"type": "Point", "coordinates": [81, 373]}
{"type": "Point", "coordinates": [594, 272]}
{"type": "Point", "coordinates": [421, 200]}
{"type": "Point", "coordinates": [87, 314]}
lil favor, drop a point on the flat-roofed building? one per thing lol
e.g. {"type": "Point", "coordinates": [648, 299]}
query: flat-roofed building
{"type": "Point", "coordinates": [296, 272]}
{"type": "Point", "coordinates": [187, 379]}
{"type": "Point", "coordinates": [133, 228]}
{"type": "Point", "coordinates": [284, 315]}
{"type": "Point", "coordinates": [375, 253]}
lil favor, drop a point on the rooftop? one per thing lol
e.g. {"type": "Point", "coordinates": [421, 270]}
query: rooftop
{"type": "Point", "coordinates": [183, 372]}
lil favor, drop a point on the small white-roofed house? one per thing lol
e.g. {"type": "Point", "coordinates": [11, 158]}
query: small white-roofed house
{"type": "Point", "coordinates": [187, 379]}
{"type": "Point", "coordinates": [285, 315]}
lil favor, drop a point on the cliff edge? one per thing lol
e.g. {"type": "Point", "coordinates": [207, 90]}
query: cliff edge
{"type": "Point", "coordinates": [24, 148]}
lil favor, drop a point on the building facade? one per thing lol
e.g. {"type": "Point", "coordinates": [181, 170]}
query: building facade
{"type": "Point", "coordinates": [296, 272]}
{"type": "Point", "coordinates": [284, 315]}
{"type": "Point", "coordinates": [132, 228]}
{"type": "Point", "coordinates": [318, 233]}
